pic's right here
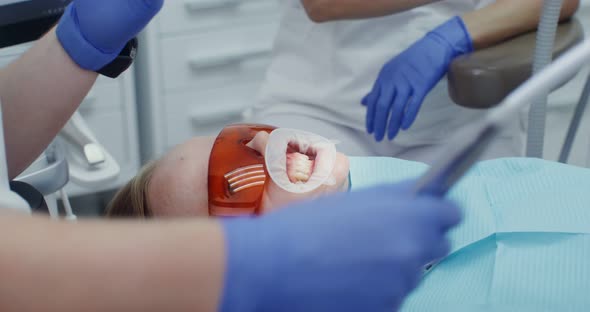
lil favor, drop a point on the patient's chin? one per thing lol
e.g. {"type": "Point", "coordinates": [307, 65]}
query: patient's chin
{"type": "Point", "coordinates": [275, 197]}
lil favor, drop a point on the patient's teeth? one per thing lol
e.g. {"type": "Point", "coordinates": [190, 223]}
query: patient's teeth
{"type": "Point", "coordinates": [299, 167]}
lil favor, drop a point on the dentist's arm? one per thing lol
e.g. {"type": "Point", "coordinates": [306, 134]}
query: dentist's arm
{"type": "Point", "coordinates": [329, 10]}
{"type": "Point", "coordinates": [110, 266]}
{"type": "Point", "coordinates": [357, 251]}
{"type": "Point", "coordinates": [39, 92]}
{"type": "Point", "coordinates": [42, 89]}
{"type": "Point", "coordinates": [507, 18]}
{"type": "Point", "coordinates": [527, 11]}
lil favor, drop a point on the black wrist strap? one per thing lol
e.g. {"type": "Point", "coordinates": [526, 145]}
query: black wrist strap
{"type": "Point", "coordinates": [123, 61]}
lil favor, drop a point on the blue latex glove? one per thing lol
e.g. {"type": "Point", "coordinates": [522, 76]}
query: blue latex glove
{"type": "Point", "coordinates": [94, 32]}
{"type": "Point", "coordinates": [404, 82]}
{"type": "Point", "coordinates": [359, 251]}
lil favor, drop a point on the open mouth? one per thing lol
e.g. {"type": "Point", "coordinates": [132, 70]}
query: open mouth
{"type": "Point", "coordinates": [300, 164]}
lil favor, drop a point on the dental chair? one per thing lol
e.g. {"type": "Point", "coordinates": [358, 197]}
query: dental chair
{"type": "Point", "coordinates": [482, 79]}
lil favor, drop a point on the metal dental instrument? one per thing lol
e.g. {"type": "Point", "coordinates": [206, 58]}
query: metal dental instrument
{"type": "Point", "coordinates": [472, 140]}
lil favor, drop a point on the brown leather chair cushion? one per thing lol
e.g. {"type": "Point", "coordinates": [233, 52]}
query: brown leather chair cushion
{"type": "Point", "coordinates": [484, 78]}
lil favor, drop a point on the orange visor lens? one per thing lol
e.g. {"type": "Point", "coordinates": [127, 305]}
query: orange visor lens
{"type": "Point", "coordinates": [236, 172]}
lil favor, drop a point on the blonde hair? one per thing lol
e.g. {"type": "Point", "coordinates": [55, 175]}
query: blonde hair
{"type": "Point", "coordinates": [132, 199]}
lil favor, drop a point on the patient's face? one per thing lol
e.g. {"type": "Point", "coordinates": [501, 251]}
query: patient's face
{"type": "Point", "coordinates": [178, 186]}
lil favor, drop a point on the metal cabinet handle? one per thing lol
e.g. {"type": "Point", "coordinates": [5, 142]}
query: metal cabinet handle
{"type": "Point", "coordinates": [228, 58]}
{"type": "Point", "coordinates": [199, 119]}
{"type": "Point", "coordinates": [196, 5]}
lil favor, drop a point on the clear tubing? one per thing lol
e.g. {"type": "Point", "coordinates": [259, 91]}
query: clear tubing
{"type": "Point", "coordinates": [575, 124]}
{"type": "Point", "coordinates": [543, 55]}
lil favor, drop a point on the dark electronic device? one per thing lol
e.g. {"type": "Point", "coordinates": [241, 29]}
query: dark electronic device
{"type": "Point", "coordinates": [27, 20]}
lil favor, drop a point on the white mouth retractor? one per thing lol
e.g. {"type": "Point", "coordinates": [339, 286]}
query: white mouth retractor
{"type": "Point", "coordinates": [323, 150]}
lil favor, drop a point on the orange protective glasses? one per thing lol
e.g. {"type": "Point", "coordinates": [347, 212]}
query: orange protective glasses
{"type": "Point", "coordinates": [237, 173]}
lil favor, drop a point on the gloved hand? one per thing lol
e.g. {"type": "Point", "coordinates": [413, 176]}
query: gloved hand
{"type": "Point", "coordinates": [359, 251]}
{"type": "Point", "coordinates": [404, 82]}
{"type": "Point", "coordinates": [94, 32]}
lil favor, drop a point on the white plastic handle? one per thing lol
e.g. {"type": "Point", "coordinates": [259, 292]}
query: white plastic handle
{"type": "Point", "coordinates": [90, 164]}
{"type": "Point", "coordinates": [78, 133]}
{"type": "Point", "coordinates": [227, 58]}
{"type": "Point", "coordinates": [196, 5]}
{"type": "Point", "coordinates": [97, 176]}
{"type": "Point", "coordinates": [199, 119]}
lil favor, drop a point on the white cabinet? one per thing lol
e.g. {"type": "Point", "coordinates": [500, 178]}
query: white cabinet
{"type": "Point", "coordinates": [200, 65]}
{"type": "Point", "coordinates": [110, 112]}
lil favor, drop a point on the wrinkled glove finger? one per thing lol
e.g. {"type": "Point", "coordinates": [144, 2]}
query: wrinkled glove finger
{"type": "Point", "coordinates": [402, 96]}
{"type": "Point", "coordinates": [382, 110]}
{"type": "Point", "coordinates": [412, 109]}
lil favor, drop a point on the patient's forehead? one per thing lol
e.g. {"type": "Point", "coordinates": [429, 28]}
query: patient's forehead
{"type": "Point", "coordinates": [178, 186]}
